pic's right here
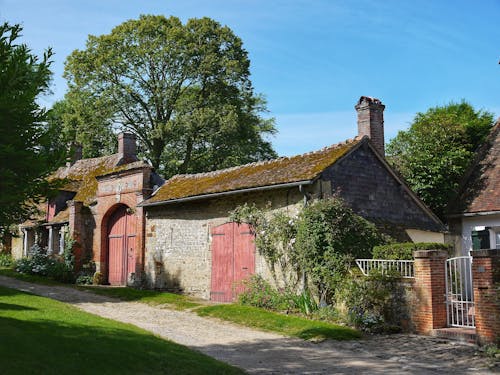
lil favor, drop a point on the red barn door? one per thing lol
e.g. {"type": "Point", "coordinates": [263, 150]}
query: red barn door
{"type": "Point", "coordinates": [121, 246]}
{"type": "Point", "coordinates": [233, 259]}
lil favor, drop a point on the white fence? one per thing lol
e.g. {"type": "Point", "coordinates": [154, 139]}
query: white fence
{"type": "Point", "coordinates": [459, 292]}
{"type": "Point", "coordinates": [385, 266]}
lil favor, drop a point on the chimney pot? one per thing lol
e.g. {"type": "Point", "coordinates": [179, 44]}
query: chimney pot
{"type": "Point", "coordinates": [371, 121]}
{"type": "Point", "coordinates": [127, 146]}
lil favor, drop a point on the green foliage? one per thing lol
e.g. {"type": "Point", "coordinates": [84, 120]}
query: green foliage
{"type": "Point", "coordinates": [370, 303]}
{"type": "Point", "coordinates": [183, 89]}
{"type": "Point", "coordinates": [77, 336]}
{"type": "Point", "coordinates": [329, 236]}
{"type": "Point", "coordinates": [434, 153]}
{"type": "Point", "coordinates": [84, 280]}
{"type": "Point", "coordinates": [258, 292]}
{"type": "Point", "coordinates": [275, 235]}
{"type": "Point", "coordinates": [404, 251]}
{"type": "Point", "coordinates": [285, 324]}
{"type": "Point", "coordinates": [25, 140]}
{"type": "Point", "coordinates": [6, 260]}
{"type": "Point", "coordinates": [76, 120]}
{"type": "Point", "coordinates": [305, 302]}
{"type": "Point", "coordinates": [41, 264]}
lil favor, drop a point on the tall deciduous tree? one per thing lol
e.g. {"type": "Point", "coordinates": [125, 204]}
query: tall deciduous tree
{"type": "Point", "coordinates": [26, 155]}
{"type": "Point", "coordinates": [433, 154]}
{"type": "Point", "coordinates": [183, 89]}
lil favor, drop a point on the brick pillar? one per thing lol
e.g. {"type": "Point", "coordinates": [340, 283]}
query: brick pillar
{"type": "Point", "coordinates": [429, 310]}
{"type": "Point", "coordinates": [485, 281]}
{"type": "Point", "coordinates": [76, 231]}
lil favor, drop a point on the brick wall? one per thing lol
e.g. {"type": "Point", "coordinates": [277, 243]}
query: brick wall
{"type": "Point", "coordinates": [428, 307]}
{"type": "Point", "coordinates": [486, 283]}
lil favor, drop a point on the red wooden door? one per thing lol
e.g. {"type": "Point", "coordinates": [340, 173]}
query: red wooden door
{"type": "Point", "coordinates": [121, 246]}
{"type": "Point", "coordinates": [233, 259]}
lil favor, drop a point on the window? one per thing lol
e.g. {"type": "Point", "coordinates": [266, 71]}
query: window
{"type": "Point", "coordinates": [481, 239]}
{"type": "Point", "coordinates": [497, 239]}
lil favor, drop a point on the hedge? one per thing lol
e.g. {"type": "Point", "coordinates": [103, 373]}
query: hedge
{"type": "Point", "coordinates": [405, 250]}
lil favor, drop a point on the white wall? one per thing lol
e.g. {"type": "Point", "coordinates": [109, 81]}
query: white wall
{"type": "Point", "coordinates": [470, 223]}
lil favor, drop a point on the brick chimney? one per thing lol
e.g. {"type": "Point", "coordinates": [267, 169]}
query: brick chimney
{"type": "Point", "coordinates": [371, 121]}
{"type": "Point", "coordinates": [127, 146]}
{"type": "Point", "coordinates": [75, 154]}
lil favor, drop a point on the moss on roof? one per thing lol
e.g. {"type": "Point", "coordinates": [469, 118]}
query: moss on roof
{"type": "Point", "coordinates": [61, 217]}
{"type": "Point", "coordinates": [81, 176]}
{"type": "Point", "coordinates": [267, 173]}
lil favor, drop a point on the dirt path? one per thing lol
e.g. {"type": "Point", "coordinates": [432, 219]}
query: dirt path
{"type": "Point", "coordinates": [267, 353]}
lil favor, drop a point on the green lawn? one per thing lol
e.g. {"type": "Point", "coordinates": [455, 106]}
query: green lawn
{"type": "Point", "coordinates": [42, 336]}
{"type": "Point", "coordinates": [245, 315]}
{"type": "Point", "coordinates": [284, 324]}
{"type": "Point", "coordinates": [177, 301]}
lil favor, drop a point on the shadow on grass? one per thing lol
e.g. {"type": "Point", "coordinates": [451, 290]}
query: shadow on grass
{"type": "Point", "coordinates": [58, 339]}
{"type": "Point", "coordinates": [11, 306]}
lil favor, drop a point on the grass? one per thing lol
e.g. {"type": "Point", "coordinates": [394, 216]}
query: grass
{"type": "Point", "coordinates": [285, 324]}
{"type": "Point", "coordinates": [43, 336]}
{"type": "Point", "coordinates": [244, 315]}
{"type": "Point", "coordinates": [151, 297]}
{"type": "Point", "coordinates": [8, 271]}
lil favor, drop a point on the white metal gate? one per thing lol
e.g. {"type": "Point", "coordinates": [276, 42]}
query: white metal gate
{"type": "Point", "coordinates": [459, 292]}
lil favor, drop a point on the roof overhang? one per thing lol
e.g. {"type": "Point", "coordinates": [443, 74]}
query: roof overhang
{"type": "Point", "coordinates": [225, 193]}
{"type": "Point", "coordinates": [472, 214]}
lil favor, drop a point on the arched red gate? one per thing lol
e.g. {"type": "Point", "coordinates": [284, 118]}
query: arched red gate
{"type": "Point", "coordinates": [121, 246]}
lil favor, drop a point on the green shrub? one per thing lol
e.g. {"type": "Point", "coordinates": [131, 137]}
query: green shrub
{"type": "Point", "coordinates": [258, 292]}
{"type": "Point", "coordinates": [6, 260]}
{"type": "Point", "coordinates": [329, 237]}
{"type": "Point", "coordinates": [304, 302]}
{"type": "Point", "coordinates": [84, 280]}
{"type": "Point", "coordinates": [372, 303]}
{"type": "Point", "coordinates": [404, 250]}
{"type": "Point", "coordinates": [39, 263]}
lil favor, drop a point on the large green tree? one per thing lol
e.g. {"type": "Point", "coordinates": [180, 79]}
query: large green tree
{"type": "Point", "coordinates": [76, 120]}
{"type": "Point", "coordinates": [183, 89]}
{"type": "Point", "coordinates": [433, 154]}
{"type": "Point", "coordinates": [26, 152]}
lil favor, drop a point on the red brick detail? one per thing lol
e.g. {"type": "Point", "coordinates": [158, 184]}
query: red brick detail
{"type": "Point", "coordinates": [371, 121]}
{"type": "Point", "coordinates": [486, 283]}
{"type": "Point", "coordinates": [76, 231]}
{"type": "Point", "coordinates": [429, 309]}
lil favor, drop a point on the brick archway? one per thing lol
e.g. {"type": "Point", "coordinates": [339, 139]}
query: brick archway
{"type": "Point", "coordinates": [121, 233]}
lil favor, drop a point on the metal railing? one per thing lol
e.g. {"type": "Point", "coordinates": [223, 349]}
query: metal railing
{"type": "Point", "coordinates": [459, 292]}
{"type": "Point", "coordinates": [386, 266]}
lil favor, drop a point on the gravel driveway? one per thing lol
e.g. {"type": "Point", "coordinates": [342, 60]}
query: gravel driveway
{"type": "Point", "coordinates": [267, 353]}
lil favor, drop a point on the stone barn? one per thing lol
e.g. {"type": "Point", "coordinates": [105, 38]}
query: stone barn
{"type": "Point", "coordinates": [191, 246]}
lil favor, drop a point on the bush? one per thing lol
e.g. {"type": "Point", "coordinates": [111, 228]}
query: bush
{"type": "Point", "coordinates": [371, 303]}
{"type": "Point", "coordinates": [329, 236]}
{"type": "Point", "coordinates": [404, 250]}
{"type": "Point", "coordinates": [39, 263]}
{"type": "Point", "coordinates": [6, 260]}
{"type": "Point", "coordinates": [258, 292]}
{"type": "Point", "coordinates": [84, 280]}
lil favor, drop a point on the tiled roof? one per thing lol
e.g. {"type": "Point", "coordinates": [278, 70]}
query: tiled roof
{"type": "Point", "coordinates": [480, 191]}
{"type": "Point", "coordinates": [81, 176]}
{"type": "Point", "coordinates": [266, 173]}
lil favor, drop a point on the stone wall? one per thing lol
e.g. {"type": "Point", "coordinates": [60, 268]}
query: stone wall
{"type": "Point", "coordinates": [178, 255]}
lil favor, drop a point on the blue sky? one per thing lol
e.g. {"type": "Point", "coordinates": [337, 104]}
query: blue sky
{"type": "Point", "coordinates": [313, 59]}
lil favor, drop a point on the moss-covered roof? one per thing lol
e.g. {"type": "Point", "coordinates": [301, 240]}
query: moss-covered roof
{"type": "Point", "coordinates": [283, 170]}
{"type": "Point", "coordinates": [81, 177]}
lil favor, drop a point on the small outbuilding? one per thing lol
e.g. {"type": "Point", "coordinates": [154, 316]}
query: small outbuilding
{"type": "Point", "coordinates": [191, 245]}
